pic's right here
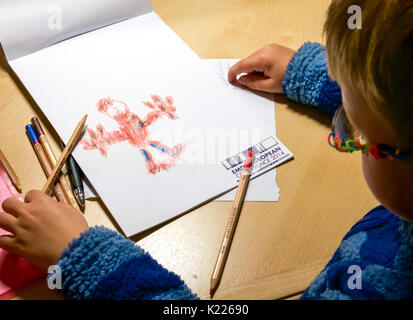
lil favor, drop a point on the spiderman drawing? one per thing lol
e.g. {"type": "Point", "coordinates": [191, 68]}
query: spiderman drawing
{"type": "Point", "coordinates": [135, 130]}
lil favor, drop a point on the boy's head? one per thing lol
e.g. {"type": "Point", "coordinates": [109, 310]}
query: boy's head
{"type": "Point", "coordinates": [374, 67]}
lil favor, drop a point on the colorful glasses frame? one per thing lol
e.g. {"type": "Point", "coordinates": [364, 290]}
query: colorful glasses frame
{"type": "Point", "coordinates": [343, 143]}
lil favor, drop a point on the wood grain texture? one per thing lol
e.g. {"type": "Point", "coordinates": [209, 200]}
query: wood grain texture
{"type": "Point", "coordinates": [278, 248]}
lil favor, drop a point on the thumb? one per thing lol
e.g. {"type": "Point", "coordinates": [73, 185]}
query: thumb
{"type": "Point", "coordinates": [258, 82]}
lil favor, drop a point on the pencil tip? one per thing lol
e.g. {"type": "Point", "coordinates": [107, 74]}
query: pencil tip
{"type": "Point", "coordinates": [250, 152]}
{"type": "Point", "coordinates": [211, 292]}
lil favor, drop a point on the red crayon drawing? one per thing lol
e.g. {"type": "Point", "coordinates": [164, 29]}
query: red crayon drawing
{"type": "Point", "coordinates": [135, 130]}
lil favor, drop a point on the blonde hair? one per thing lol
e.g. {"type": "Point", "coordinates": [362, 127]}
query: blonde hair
{"type": "Point", "coordinates": [376, 60]}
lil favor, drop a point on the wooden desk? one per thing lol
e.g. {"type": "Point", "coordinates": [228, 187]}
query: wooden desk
{"type": "Point", "coordinates": [278, 248]}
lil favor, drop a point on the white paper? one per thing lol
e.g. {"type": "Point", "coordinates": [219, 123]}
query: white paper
{"type": "Point", "coordinates": [89, 191]}
{"type": "Point", "coordinates": [31, 25]}
{"type": "Point", "coordinates": [261, 189]}
{"type": "Point", "coordinates": [129, 61]}
{"type": "Point", "coordinates": [264, 187]}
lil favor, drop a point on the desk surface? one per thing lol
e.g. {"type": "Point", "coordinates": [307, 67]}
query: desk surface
{"type": "Point", "coordinates": [278, 248]}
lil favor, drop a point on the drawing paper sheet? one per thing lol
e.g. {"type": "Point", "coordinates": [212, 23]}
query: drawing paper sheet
{"type": "Point", "coordinates": [264, 187]}
{"type": "Point", "coordinates": [261, 189]}
{"type": "Point", "coordinates": [129, 61]}
{"type": "Point", "coordinates": [14, 271]}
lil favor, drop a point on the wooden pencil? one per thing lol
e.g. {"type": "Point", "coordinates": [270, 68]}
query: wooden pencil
{"type": "Point", "coordinates": [231, 225]}
{"type": "Point", "coordinates": [65, 154]}
{"type": "Point", "coordinates": [10, 172]}
{"type": "Point", "coordinates": [41, 156]}
{"type": "Point", "coordinates": [47, 168]}
{"type": "Point", "coordinates": [67, 192]}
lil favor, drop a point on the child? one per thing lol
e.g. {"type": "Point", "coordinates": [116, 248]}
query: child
{"type": "Point", "coordinates": [373, 68]}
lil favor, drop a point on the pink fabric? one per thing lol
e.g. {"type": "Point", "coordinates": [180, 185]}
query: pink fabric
{"type": "Point", "coordinates": [15, 272]}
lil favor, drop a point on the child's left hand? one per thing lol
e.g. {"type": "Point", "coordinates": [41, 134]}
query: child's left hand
{"type": "Point", "coordinates": [265, 68]}
{"type": "Point", "coordinates": [42, 227]}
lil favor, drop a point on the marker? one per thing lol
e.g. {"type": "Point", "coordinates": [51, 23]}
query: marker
{"type": "Point", "coordinates": [75, 174]}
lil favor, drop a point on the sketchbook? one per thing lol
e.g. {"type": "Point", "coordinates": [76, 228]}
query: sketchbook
{"type": "Point", "coordinates": [164, 134]}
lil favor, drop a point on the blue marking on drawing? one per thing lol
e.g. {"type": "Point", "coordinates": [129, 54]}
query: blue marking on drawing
{"type": "Point", "coordinates": [160, 148]}
{"type": "Point", "coordinates": [146, 155]}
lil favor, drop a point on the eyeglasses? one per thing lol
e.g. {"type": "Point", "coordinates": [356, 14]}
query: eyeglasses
{"type": "Point", "coordinates": [346, 138]}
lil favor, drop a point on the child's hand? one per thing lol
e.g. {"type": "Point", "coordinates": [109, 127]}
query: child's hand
{"type": "Point", "coordinates": [265, 68]}
{"type": "Point", "coordinates": [42, 227]}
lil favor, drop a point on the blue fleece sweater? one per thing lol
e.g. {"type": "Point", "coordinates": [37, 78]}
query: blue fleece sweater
{"type": "Point", "coordinates": [101, 264]}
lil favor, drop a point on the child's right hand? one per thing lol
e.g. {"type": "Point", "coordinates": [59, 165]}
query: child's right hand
{"type": "Point", "coordinates": [42, 227]}
{"type": "Point", "coordinates": [265, 68]}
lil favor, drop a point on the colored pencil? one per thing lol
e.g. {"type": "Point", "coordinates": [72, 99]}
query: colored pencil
{"type": "Point", "coordinates": [65, 153]}
{"type": "Point", "coordinates": [231, 225]}
{"type": "Point", "coordinates": [10, 172]}
{"type": "Point", "coordinates": [41, 155]}
{"type": "Point", "coordinates": [52, 161]}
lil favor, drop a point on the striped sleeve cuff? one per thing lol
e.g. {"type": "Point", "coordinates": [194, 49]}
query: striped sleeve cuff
{"type": "Point", "coordinates": [306, 79]}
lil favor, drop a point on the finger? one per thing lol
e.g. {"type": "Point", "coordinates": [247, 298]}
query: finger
{"type": "Point", "coordinates": [8, 243]}
{"type": "Point", "coordinates": [247, 65]}
{"type": "Point", "coordinates": [35, 195]}
{"type": "Point", "coordinates": [8, 222]}
{"type": "Point", "coordinates": [258, 82]}
{"type": "Point", "coordinates": [13, 206]}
